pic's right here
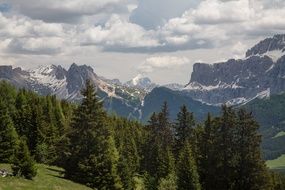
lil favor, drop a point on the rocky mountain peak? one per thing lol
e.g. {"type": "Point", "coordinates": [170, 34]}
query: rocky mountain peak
{"type": "Point", "coordinates": [275, 43]}
{"type": "Point", "coordinates": [50, 70]}
{"type": "Point", "coordinates": [6, 71]}
{"type": "Point", "coordinates": [141, 82]}
{"type": "Point", "coordinates": [77, 75]}
{"type": "Point", "coordinates": [238, 81]}
{"type": "Point", "coordinates": [80, 68]}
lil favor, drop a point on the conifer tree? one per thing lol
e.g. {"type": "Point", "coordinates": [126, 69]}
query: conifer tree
{"type": "Point", "coordinates": [225, 149]}
{"type": "Point", "coordinates": [93, 156]}
{"type": "Point", "coordinates": [187, 175]}
{"type": "Point", "coordinates": [23, 164]}
{"type": "Point", "coordinates": [168, 183]}
{"type": "Point", "coordinates": [165, 163]}
{"type": "Point", "coordinates": [158, 157]}
{"type": "Point", "coordinates": [150, 148]}
{"type": "Point", "coordinates": [23, 118]}
{"type": "Point", "coordinates": [129, 160]}
{"type": "Point", "coordinates": [207, 162]}
{"type": "Point", "coordinates": [165, 136]}
{"type": "Point", "coordinates": [251, 169]}
{"type": "Point", "coordinates": [183, 128]}
{"type": "Point", "coordinates": [8, 94]}
{"type": "Point", "coordinates": [8, 135]}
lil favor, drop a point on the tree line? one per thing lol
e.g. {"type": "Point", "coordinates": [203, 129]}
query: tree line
{"type": "Point", "coordinates": [109, 152]}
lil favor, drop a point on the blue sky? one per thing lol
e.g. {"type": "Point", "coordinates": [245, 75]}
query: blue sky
{"type": "Point", "coordinates": [161, 39]}
{"type": "Point", "coordinates": [4, 7]}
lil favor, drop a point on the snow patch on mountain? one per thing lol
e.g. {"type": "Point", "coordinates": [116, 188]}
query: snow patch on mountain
{"type": "Point", "coordinates": [175, 86]}
{"type": "Point", "coordinates": [236, 101]}
{"type": "Point", "coordinates": [275, 55]}
{"type": "Point", "coordinates": [46, 76]}
{"type": "Point", "coordinates": [141, 82]}
{"type": "Point", "coordinates": [264, 94]}
{"type": "Point", "coordinates": [219, 85]}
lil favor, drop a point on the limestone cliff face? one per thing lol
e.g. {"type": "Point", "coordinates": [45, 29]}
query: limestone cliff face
{"type": "Point", "coordinates": [261, 72]}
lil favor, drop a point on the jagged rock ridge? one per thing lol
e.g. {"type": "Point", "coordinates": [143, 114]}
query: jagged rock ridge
{"type": "Point", "coordinates": [67, 84]}
{"type": "Point", "coordinates": [261, 72]}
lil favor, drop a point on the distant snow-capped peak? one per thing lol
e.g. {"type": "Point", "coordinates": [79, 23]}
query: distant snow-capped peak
{"type": "Point", "coordinates": [45, 70]}
{"type": "Point", "coordinates": [142, 82]}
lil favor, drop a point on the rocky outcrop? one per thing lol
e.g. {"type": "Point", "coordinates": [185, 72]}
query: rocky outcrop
{"type": "Point", "coordinates": [277, 42]}
{"type": "Point", "coordinates": [238, 81]}
{"type": "Point", "coordinates": [76, 77]}
{"type": "Point", "coordinates": [16, 76]}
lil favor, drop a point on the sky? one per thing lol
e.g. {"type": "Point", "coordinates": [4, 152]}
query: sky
{"type": "Point", "coordinates": [160, 39]}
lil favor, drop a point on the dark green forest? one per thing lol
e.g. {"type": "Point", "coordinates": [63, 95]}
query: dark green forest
{"type": "Point", "coordinates": [109, 152]}
{"type": "Point", "coordinates": [270, 115]}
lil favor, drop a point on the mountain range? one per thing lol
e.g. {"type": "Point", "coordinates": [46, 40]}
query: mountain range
{"type": "Point", "coordinates": [255, 82]}
{"type": "Point", "coordinates": [238, 81]}
{"type": "Point", "coordinates": [260, 74]}
{"type": "Point", "coordinates": [128, 99]}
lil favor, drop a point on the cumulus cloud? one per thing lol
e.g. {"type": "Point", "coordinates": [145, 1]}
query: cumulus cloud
{"type": "Point", "coordinates": [215, 12]}
{"type": "Point", "coordinates": [119, 34]}
{"type": "Point", "coordinates": [154, 26]}
{"type": "Point", "coordinates": [21, 35]}
{"type": "Point", "coordinates": [62, 11]}
{"type": "Point", "coordinates": [153, 13]}
{"type": "Point", "coordinates": [35, 46]}
{"type": "Point", "coordinates": [205, 24]}
{"type": "Point", "coordinates": [208, 23]}
{"type": "Point", "coordinates": [19, 26]}
{"type": "Point", "coordinates": [162, 62]}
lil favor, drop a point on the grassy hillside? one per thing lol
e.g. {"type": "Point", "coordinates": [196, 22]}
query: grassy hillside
{"type": "Point", "coordinates": [278, 164]}
{"type": "Point", "coordinates": [48, 178]}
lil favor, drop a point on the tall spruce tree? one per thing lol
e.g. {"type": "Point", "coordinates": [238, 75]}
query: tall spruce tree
{"type": "Point", "coordinates": [165, 135]}
{"type": "Point", "coordinates": [24, 120]}
{"type": "Point", "coordinates": [93, 157]}
{"type": "Point", "coordinates": [158, 160]}
{"type": "Point", "coordinates": [8, 135]}
{"type": "Point", "coordinates": [207, 159]}
{"type": "Point", "coordinates": [150, 148]}
{"type": "Point", "coordinates": [225, 149]}
{"type": "Point", "coordinates": [23, 164]}
{"type": "Point", "coordinates": [8, 94]}
{"type": "Point", "coordinates": [187, 174]}
{"type": "Point", "coordinates": [129, 141]}
{"type": "Point", "coordinates": [165, 163]}
{"type": "Point", "coordinates": [184, 128]}
{"type": "Point", "coordinates": [251, 169]}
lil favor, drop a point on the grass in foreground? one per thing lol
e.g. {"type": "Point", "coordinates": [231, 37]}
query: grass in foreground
{"type": "Point", "coordinates": [278, 164]}
{"type": "Point", "coordinates": [48, 178]}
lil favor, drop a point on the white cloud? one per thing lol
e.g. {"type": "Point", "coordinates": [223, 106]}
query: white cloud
{"type": "Point", "coordinates": [153, 13]}
{"type": "Point", "coordinates": [216, 11]}
{"type": "Point", "coordinates": [39, 46]}
{"type": "Point", "coordinates": [70, 11]}
{"type": "Point", "coordinates": [203, 24]}
{"type": "Point", "coordinates": [118, 33]}
{"type": "Point", "coordinates": [19, 26]}
{"type": "Point", "coordinates": [162, 62]}
{"type": "Point", "coordinates": [22, 35]}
